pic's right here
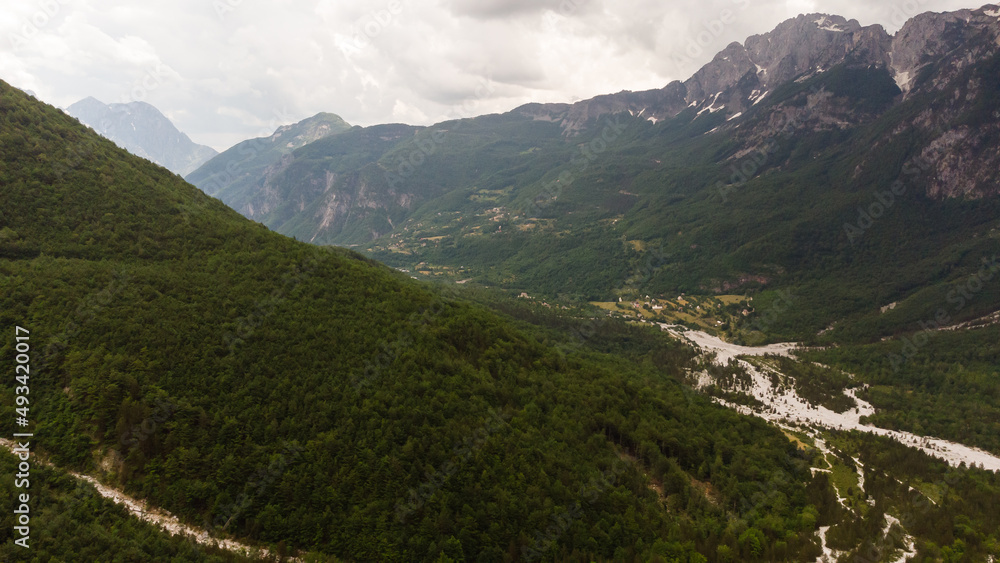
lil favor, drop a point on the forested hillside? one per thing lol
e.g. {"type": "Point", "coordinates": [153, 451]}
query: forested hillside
{"type": "Point", "coordinates": [284, 393]}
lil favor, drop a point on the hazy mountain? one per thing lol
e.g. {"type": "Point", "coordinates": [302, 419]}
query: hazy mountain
{"type": "Point", "coordinates": [141, 129]}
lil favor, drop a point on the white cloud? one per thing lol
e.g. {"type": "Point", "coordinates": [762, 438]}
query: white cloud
{"type": "Point", "coordinates": [225, 69]}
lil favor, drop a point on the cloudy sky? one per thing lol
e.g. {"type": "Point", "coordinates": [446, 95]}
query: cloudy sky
{"type": "Point", "coordinates": [227, 70]}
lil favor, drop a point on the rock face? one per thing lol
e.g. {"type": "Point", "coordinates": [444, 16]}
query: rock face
{"type": "Point", "coordinates": [743, 74]}
{"type": "Point", "coordinates": [929, 54]}
{"type": "Point", "coordinates": [952, 59]}
{"type": "Point", "coordinates": [142, 130]}
{"type": "Point", "coordinates": [310, 184]}
{"type": "Point", "coordinates": [928, 37]}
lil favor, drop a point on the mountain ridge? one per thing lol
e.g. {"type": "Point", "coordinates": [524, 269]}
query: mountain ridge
{"type": "Point", "coordinates": [311, 398]}
{"type": "Point", "coordinates": [237, 170]}
{"type": "Point", "coordinates": [719, 97]}
{"type": "Point", "coordinates": [793, 57]}
{"type": "Point", "coordinates": [780, 196]}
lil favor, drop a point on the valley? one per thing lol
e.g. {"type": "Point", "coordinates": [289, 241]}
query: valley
{"type": "Point", "coordinates": [750, 315]}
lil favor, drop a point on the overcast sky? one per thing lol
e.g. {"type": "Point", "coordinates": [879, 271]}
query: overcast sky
{"type": "Point", "coordinates": [227, 70]}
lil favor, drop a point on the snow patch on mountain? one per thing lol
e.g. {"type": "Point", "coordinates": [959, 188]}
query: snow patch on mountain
{"type": "Point", "coordinates": [822, 24]}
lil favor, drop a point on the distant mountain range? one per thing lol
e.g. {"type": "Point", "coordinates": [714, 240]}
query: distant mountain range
{"type": "Point", "coordinates": [767, 169]}
{"type": "Point", "coordinates": [141, 129]}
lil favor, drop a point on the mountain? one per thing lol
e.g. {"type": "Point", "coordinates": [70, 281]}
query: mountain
{"type": "Point", "coordinates": [712, 171]}
{"type": "Point", "coordinates": [844, 195]}
{"type": "Point", "coordinates": [318, 403]}
{"type": "Point", "coordinates": [740, 76]}
{"type": "Point", "coordinates": [141, 129]}
{"type": "Point", "coordinates": [236, 175]}
{"type": "Point", "coordinates": [314, 400]}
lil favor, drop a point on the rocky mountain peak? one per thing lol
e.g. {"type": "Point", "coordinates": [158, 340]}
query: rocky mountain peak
{"type": "Point", "coordinates": [308, 130]}
{"type": "Point", "coordinates": [931, 36]}
{"type": "Point", "coordinates": [740, 75]}
{"type": "Point", "coordinates": [743, 74]}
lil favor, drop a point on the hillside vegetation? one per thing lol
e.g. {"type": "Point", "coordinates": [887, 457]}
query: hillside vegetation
{"type": "Point", "coordinates": [284, 393]}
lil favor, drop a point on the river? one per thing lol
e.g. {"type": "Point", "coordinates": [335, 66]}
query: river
{"type": "Point", "coordinates": [785, 405]}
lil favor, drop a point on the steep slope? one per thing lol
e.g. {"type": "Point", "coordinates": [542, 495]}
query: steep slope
{"type": "Point", "coordinates": [236, 175]}
{"type": "Point", "coordinates": [286, 393]}
{"type": "Point", "coordinates": [143, 131]}
{"type": "Point", "coordinates": [335, 181]}
{"type": "Point", "coordinates": [364, 183]}
{"type": "Point", "coordinates": [781, 197]}
{"type": "Point", "coordinates": [359, 184]}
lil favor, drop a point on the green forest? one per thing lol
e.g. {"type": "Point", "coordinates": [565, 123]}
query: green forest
{"type": "Point", "coordinates": [236, 378]}
{"type": "Point", "coordinates": [314, 402]}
